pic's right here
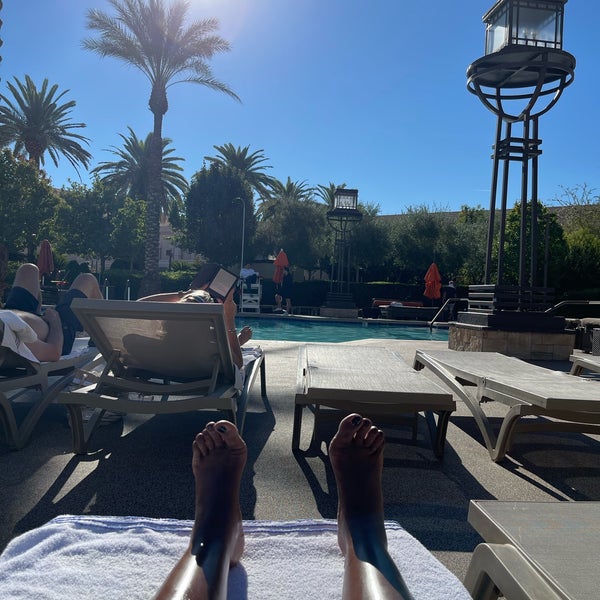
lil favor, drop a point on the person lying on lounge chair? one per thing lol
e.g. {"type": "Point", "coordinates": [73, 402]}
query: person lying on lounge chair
{"type": "Point", "coordinates": [57, 327]}
{"type": "Point", "coordinates": [217, 539]}
{"type": "Point", "coordinates": [197, 293]}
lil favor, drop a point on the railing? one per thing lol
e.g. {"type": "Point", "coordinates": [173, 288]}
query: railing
{"type": "Point", "coordinates": [444, 307]}
{"type": "Point", "coordinates": [573, 303]}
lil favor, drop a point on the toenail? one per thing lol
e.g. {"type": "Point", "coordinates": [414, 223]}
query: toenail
{"type": "Point", "coordinates": [222, 428]}
{"type": "Point", "coordinates": [356, 421]}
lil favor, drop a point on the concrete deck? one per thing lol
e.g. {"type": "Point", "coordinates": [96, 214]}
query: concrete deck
{"type": "Point", "coordinates": [142, 467]}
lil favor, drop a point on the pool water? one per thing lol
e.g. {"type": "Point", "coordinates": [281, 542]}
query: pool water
{"type": "Point", "coordinates": [296, 330]}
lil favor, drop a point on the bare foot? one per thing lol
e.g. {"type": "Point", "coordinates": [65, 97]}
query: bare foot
{"type": "Point", "coordinates": [244, 335]}
{"type": "Point", "coordinates": [356, 454]}
{"type": "Point", "coordinates": [219, 456]}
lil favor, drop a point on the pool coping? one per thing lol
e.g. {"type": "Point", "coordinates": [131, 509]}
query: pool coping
{"type": "Point", "coordinates": [356, 320]}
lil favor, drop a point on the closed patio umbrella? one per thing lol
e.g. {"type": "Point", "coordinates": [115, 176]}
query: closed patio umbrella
{"type": "Point", "coordinates": [45, 261]}
{"type": "Point", "coordinates": [280, 262]}
{"type": "Point", "coordinates": [433, 283]}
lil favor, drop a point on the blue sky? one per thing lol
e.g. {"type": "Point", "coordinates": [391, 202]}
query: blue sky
{"type": "Point", "coordinates": [368, 94]}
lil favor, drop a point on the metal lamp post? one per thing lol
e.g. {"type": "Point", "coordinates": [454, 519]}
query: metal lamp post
{"type": "Point", "coordinates": [242, 248]}
{"type": "Point", "coordinates": [521, 77]}
{"type": "Point", "coordinates": [344, 214]}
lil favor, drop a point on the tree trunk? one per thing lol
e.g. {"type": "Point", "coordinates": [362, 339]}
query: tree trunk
{"type": "Point", "coordinates": [150, 284]}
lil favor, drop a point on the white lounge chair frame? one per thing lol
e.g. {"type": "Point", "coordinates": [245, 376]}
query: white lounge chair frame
{"type": "Point", "coordinates": [160, 358]}
{"type": "Point", "coordinates": [19, 376]}
{"type": "Point", "coordinates": [528, 390]}
{"type": "Point", "coordinates": [372, 381]}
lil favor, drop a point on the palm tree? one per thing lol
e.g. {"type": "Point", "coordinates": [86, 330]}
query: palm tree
{"type": "Point", "coordinates": [129, 174]}
{"type": "Point", "coordinates": [154, 39]}
{"type": "Point", "coordinates": [35, 122]}
{"type": "Point", "coordinates": [250, 165]}
{"type": "Point", "coordinates": [290, 191]}
{"type": "Point", "coordinates": [327, 193]}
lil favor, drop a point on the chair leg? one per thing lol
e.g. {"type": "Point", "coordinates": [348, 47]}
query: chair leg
{"type": "Point", "coordinates": [500, 569]}
{"type": "Point", "coordinates": [297, 426]}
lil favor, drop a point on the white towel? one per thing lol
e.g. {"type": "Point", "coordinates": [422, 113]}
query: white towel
{"type": "Point", "coordinates": [110, 558]}
{"type": "Point", "coordinates": [17, 333]}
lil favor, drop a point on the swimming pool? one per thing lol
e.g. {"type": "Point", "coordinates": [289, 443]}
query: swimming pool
{"type": "Point", "coordinates": [297, 330]}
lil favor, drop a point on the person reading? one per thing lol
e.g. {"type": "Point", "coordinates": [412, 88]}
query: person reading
{"type": "Point", "coordinates": [200, 291]}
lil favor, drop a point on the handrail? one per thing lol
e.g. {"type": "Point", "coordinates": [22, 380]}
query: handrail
{"type": "Point", "coordinates": [443, 307]}
{"type": "Point", "coordinates": [573, 302]}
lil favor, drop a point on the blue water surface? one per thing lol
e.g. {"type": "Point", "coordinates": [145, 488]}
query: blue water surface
{"type": "Point", "coordinates": [301, 330]}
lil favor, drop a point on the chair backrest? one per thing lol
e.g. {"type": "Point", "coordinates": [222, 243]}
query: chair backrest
{"type": "Point", "coordinates": [178, 340]}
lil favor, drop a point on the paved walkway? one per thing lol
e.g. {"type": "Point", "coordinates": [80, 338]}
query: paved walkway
{"type": "Point", "coordinates": [142, 467]}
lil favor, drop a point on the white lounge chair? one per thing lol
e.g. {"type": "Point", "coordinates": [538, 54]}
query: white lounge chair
{"type": "Point", "coordinates": [34, 383]}
{"type": "Point", "coordinates": [372, 381]}
{"type": "Point", "coordinates": [160, 358]}
{"type": "Point", "coordinates": [564, 402]}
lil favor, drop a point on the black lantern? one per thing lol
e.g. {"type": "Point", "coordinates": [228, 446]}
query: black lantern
{"type": "Point", "coordinates": [524, 23]}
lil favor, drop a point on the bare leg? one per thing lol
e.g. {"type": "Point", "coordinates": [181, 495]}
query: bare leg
{"type": "Point", "coordinates": [217, 540]}
{"type": "Point", "coordinates": [88, 284]}
{"type": "Point", "coordinates": [28, 277]}
{"type": "Point", "coordinates": [356, 454]}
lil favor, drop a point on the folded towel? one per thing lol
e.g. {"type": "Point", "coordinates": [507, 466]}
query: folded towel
{"type": "Point", "coordinates": [17, 333]}
{"type": "Point", "coordinates": [129, 557]}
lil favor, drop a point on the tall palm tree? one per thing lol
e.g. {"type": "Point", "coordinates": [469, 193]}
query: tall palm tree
{"type": "Point", "coordinates": [129, 174]}
{"type": "Point", "coordinates": [250, 166]}
{"type": "Point", "coordinates": [290, 191]}
{"type": "Point", "coordinates": [154, 39]}
{"type": "Point", "coordinates": [35, 122]}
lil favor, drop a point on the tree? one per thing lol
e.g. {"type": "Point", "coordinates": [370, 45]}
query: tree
{"type": "Point", "coordinates": [583, 260]}
{"type": "Point", "coordinates": [27, 204]}
{"type": "Point", "coordinates": [551, 247]}
{"type": "Point", "coordinates": [299, 226]}
{"type": "Point", "coordinates": [154, 39]}
{"type": "Point", "coordinates": [471, 235]}
{"type": "Point", "coordinates": [127, 235]}
{"type": "Point", "coordinates": [579, 209]}
{"type": "Point", "coordinates": [283, 192]}
{"type": "Point", "coordinates": [214, 214]}
{"type": "Point", "coordinates": [249, 165]}
{"type": "Point", "coordinates": [35, 121]}
{"type": "Point", "coordinates": [129, 175]}
{"type": "Point", "coordinates": [84, 220]}
{"type": "Point", "coordinates": [369, 241]}
{"type": "Point", "coordinates": [327, 193]}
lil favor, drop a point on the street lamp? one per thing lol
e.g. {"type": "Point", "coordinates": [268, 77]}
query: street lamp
{"type": "Point", "coordinates": [242, 248]}
{"type": "Point", "coordinates": [343, 215]}
{"type": "Point", "coordinates": [243, 231]}
{"type": "Point", "coordinates": [521, 76]}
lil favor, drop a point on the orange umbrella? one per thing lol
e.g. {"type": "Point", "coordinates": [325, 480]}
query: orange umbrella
{"type": "Point", "coordinates": [433, 283]}
{"type": "Point", "coordinates": [45, 262]}
{"type": "Point", "coordinates": [280, 262]}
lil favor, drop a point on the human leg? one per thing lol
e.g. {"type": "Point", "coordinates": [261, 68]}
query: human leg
{"type": "Point", "coordinates": [85, 285]}
{"type": "Point", "coordinates": [27, 279]}
{"type": "Point", "coordinates": [356, 454]}
{"type": "Point", "coordinates": [217, 540]}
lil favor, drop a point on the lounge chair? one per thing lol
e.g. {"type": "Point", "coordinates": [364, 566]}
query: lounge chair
{"type": "Point", "coordinates": [584, 362]}
{"type": "Point", "coordinates": [372, 381]}
{"type": "Point", "coordinates": [160, 358]}
{"type": "Point", "coordinates": [561, 402]}
{"type": "Point", "coordinates": [534, 550]}
{"type": "Point", "coordinates": [36, 383]}
{"type": "Point", "coordinates": [129, 557]}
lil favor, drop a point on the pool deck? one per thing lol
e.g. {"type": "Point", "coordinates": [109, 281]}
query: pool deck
{"type": "Point", "coordinates": [141, 466]}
